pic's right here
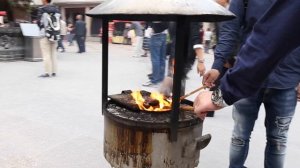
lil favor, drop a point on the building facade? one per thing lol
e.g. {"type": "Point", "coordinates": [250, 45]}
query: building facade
{"type": "Point", "coordinates": [70, 8]}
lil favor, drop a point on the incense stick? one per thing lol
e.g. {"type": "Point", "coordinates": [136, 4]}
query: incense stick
{"type": "Point", "coordinates": [192, 92]}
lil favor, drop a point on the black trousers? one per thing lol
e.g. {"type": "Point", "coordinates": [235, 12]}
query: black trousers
{"type": "Point", "coordinates": [81, 43]}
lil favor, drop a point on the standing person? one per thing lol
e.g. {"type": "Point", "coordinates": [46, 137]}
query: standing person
{"type": "Point", "coordinates": [138, 29]}
{"type": "Point", "coordinates": [195, 47]}
{"type": "Point", "coordinates": [63, 33]}
{"type": "Point", "coordinates": [263, 55]}
{"type": "Point", "coordinates": [277, 94]}
{"type": "Point", "coordinates": [207, 39]}
{"type": "Point", "coordinates": [47, 42]}
{"type": "Point", "coordinates": [80, 33]}
{"type": "Point", "coordinates": [158, 53]}
{"type": "Point", "coordinates": [227, 65]}
{"type": "Point", "coordinates": [195, 52]}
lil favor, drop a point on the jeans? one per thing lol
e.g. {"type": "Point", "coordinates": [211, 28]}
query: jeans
{"type": "Point", "coordinates": [60, 43]}
{"type": "Point", "coordinates": [70, 38]}
{"type": "Point", "coordinates": [158, 56]}
{"type": "Point", "coordinates": [280, 108]}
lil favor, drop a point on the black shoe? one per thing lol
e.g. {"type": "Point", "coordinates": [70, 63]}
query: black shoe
{"type": "Point", "coordinates": [210, 114]}
{"type": "Point", "coordinates": [53, 74]}
{"type": "Point", "coordinates": [150, 76]}
{"type": "Point", "coordinates": [44, 75]}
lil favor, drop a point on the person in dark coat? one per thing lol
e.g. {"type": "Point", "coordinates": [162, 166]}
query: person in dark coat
{"type": "Point", "coordinates": [277, 93]}
{"type": "Point", "coordinates": [258, 58]}
{"type": "Point", "coordinates": [195, 52]}
{"type": "Point", "coordinates": [195, 47]}
{"type": "Point", "coordinates": [80, 33]}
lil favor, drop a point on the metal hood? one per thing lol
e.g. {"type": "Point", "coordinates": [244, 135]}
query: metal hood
{"type": "Point", "coordinates": [202, 10]}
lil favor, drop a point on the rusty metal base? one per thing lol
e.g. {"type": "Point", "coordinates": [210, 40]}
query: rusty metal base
{"type": "Point", "coordinates": [131, 147]}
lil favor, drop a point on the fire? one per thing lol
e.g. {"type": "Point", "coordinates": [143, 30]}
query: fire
{"type": "Point", "coordinates": [162, 104]}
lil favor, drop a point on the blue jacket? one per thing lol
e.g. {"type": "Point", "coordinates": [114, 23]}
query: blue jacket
{"type": "Point", "coordinates": [275, 35]}
{"type": "Point", "coordinates": [286, 75]}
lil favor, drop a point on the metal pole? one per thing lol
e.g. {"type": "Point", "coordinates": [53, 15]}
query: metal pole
{"type": "Point", "coordinates": [181, 49]}
{"type": "Point", "coordinates": [104, 63]}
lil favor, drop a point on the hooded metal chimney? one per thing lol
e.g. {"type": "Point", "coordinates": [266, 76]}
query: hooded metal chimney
{"type": "Point", "coordinates": [200, 10]}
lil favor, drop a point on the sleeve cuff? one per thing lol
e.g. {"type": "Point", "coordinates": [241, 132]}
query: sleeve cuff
{"type": "Point", "coordinates": [218, 65]}
{"type": "Point", "coordinates": [228, 99]}
{"type": "Point", "coordinates": [198, 46]}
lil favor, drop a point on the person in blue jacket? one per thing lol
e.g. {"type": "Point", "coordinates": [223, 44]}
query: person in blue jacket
{"type": "Point", "coordinates": [265, 48]}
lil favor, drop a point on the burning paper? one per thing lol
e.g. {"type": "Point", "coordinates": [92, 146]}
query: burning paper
{"type": "Point", "coordinates": [156, 102]}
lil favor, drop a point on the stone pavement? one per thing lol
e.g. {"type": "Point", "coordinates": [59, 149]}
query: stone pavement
{"type": "Point", "coordinates": [57, 122]}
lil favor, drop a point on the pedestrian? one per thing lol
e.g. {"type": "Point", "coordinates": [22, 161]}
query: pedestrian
{"type": "Point", "coordinates": [63, 33]}
{"type": "Point", "coordinates": [47, 15]}
{"type": "Point", "coordinates": [277, 93]}
{"type": "Point", "coordinates": [126, 34]}
{"type": "Point", "coordinates": [80, 33]}
{"type": "Point", "coordinates": [207, 39]}
{"type": "Point", "coordinates": [138, 29]}
{"type": "Point", "coordinates": [131, 35]}
{"type": "Point", "coordinates": [158, 53]}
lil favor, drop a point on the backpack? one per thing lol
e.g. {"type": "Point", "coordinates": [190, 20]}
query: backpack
{"type": "Point", "coordinates": [52, 30]}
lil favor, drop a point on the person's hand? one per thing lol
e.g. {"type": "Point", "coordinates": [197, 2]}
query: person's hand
{"type": "Point", "coordinates": [201, 68]}
{"type": "Point", "coordinates": [203, 104]}
{"type": "Point", "coordinates": [166, 86]}
{"type": "Point", "coordinates": [298, 93]}
{"type": "Point", "coordinates": [210, 77]}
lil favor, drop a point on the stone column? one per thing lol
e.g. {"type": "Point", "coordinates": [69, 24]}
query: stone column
{"type": "Point", "coordinates": [63, 13]}
{"type": "Point", "coordinates": [88, 21]}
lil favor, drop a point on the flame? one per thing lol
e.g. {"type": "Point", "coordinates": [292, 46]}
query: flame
{"type": "Point", "coordinates": [164, 104]}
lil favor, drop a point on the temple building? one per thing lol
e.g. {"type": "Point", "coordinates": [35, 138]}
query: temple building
{"type": "Point", "coordinates": [70, 8]}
